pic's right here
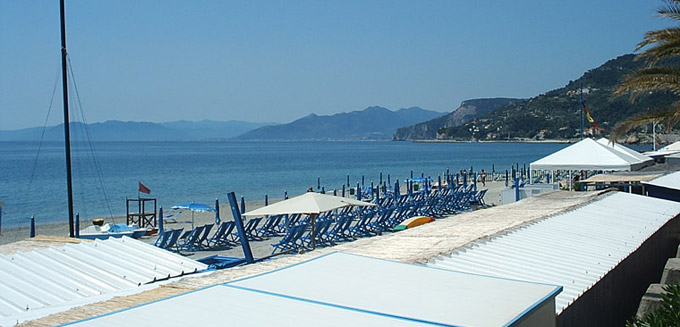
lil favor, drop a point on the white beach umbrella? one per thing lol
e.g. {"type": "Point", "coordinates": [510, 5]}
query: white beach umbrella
{"type": "Point", "coordinates": [310, 203]}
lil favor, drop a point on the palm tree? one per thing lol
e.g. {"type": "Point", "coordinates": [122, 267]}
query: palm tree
{"type": "Point", "coordinates": [661, 44]}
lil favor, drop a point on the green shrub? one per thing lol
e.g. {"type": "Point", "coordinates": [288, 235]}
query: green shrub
{"type": "Point", "coordinates": [666, 315]}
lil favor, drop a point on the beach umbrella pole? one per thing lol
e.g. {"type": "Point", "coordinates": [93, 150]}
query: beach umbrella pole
{"type": "Point", "coordinates": [312, 217]}
{"type": "Point", "coordinates": [217, 211]}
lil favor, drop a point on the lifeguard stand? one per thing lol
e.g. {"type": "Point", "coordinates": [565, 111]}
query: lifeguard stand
{"type": "Point", "coordinates": [139, 212]}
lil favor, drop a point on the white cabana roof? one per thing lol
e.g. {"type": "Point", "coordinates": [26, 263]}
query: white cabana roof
{"type": "Point", "coordinates": [669, 149]}
{"type": "Point", "coordinates": [588, 154]}
{"type": "Point", "coordinates": [670, 181]}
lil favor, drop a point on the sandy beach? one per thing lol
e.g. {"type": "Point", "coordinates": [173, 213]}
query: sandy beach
{"type": "Point", "coordinates": [259, 248]}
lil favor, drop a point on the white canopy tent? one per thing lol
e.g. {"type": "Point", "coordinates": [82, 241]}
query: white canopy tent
{"type": "Point", "coordinates": [588, 154]}
{"type": "Point", "coordinates": [626, 151]}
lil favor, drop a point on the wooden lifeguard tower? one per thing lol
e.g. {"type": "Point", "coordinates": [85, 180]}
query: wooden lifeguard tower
{"type": "Point", "coordinates": [142, 212]}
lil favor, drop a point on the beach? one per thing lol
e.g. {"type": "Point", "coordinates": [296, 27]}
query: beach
{"type": "Point", "coordinates": [259, 248]}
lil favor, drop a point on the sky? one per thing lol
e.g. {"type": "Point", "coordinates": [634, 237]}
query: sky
{"type": "Point", "coordinates": [277, 61]}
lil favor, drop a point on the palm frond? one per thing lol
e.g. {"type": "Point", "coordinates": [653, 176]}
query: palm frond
{"type": "Point", "coordinates": [625, 126]}
{"type": "Point", "coordinates": [671, 10]}
{"type": "Point", "coordinates": [649, 79]}
{"type": "Point", "coordinates": [667, 44]}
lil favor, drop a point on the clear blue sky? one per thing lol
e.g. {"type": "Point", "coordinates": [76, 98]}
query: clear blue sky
{"type": "Point", "coordinates": [276, 61]}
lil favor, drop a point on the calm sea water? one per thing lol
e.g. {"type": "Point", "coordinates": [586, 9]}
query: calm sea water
{"type": "Point", "coordinates": [179, 172]}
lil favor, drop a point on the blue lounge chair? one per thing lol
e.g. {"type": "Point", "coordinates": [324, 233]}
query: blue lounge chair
{"type": "Point", "coordinates": [202, 242]}
{"type": "Point", "coordinates": [189, 243]}
{"type": "Point", "coordinates": [172, 245]}
{"type": "Point", "coordinates": [163, 239]}
{"type": "Point", "coordinates": [172, 218]}
{"type": "Point", "coordinates": [289, 241]}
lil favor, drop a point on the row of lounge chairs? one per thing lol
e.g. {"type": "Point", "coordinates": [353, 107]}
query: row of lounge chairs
{"type": "Point", "coordinates": [350, 224]}
{"type": "Point", "coordinates": [332, 227]}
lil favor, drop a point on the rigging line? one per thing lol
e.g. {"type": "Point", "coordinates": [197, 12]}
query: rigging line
{"type": "Point", "coordinates": [98, 169]}
{"type": "Point", "coordinates": [42, 137]}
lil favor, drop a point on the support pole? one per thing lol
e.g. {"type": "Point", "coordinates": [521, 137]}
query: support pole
{"type": "Point", "coordinates": [160, 222]}
{"type": "Point", "coordinates": [238, 221]}
{"type": "Point", "coordinates": [31, 233]}
{"type": "Point", "coordinates": [77, 225]}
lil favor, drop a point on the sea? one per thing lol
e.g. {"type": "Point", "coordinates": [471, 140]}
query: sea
{"type": "Point", "coordinates": [33, 175]}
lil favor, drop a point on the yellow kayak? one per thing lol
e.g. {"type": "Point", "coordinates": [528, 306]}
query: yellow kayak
{"type": "Point", "coordinates": [413, 222]}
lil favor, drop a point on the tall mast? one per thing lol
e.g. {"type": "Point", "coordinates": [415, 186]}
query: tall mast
{"type": "Point", "coordinates": [67, 133]}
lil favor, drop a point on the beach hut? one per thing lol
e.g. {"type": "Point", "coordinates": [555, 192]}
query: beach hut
{"type": "Point", "coordinates": [600, 252]}
{"type": "Point", "coordinates": [48, 280]}
{"type": "Point", "coordinates": [341, 289]}
{"type": "Point", "coordinates": [665, 187]}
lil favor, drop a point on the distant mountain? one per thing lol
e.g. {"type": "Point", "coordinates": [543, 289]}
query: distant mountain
{"type": "Point", "coordinates": [468, 111]}
{"type": "Point", "coordinates": [213, 130]}
{"type": "Point", "coordinates": [372, 123]}
{"type": "Point", "coordinates": [114, 130]}
{"type": "Point", "coordinates": [556, 114]}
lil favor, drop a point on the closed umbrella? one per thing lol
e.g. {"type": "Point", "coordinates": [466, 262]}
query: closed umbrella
{"type": "Point", "coordinates": [194, 207]}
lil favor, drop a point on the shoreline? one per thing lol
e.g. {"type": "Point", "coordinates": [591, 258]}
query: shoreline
{"type": "Point", "coordinates": [15, 234]}
{"type": "Point", "coordinates": [493, 141]}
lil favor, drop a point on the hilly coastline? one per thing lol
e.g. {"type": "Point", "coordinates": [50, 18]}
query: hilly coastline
{"type": "Point", "coordinates": [114, 130]}
{"type": "Point", "coordinates": [468, 111]}
{"type": "Point", "coordinates": [372, 123]}
{"type": "Point", "coordinates": [556, 113]}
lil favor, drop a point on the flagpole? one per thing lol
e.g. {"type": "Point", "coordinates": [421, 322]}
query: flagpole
{"type": "Point", "coordinates": [654, 134]}
{"type": "Point", "coordinates": [581, 103]}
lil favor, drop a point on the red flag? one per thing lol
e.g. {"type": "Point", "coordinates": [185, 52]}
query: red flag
{"type": "Point", "coordinates": [590, 119]}
{"type": "Point", "coordinates": [143, 188]}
